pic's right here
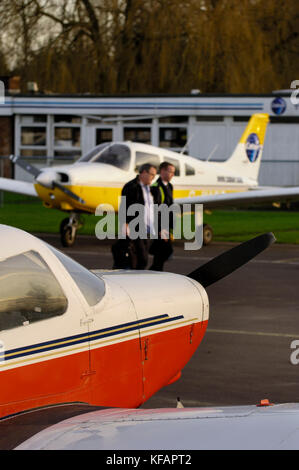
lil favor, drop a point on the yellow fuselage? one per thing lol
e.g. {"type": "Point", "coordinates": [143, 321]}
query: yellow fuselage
{"type": "Point", "coordinates": [96, 195]}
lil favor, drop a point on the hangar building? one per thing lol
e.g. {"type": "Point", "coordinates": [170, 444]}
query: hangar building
{"type": "Point", "coordinates": [48, 129]}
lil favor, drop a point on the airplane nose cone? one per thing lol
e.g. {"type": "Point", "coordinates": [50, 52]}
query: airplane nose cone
{"type": "Point", "coordinates": [46, 178]}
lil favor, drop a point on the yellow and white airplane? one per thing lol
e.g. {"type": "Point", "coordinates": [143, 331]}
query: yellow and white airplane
{"type": "Point", "coordinates": [98, 178]}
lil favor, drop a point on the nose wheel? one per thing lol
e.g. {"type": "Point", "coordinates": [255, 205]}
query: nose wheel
{"type": "Point", "coordinates": [68, 229]}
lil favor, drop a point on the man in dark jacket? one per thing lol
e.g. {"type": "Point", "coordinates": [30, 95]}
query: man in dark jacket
{"type": "Point", "coordinates": [139, 191]}
{"type": "Point", "coordinates": [162, 247]}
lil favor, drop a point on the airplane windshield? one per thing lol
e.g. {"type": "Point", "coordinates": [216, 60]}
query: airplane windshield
{"type": "Point", "coordinates": [91, 286]}
{"type": "Point", "coordinates": [29, 291]}
{"type": "Point", "coordinates": [118, 155]}
{"type": "Point", "coordinates": [93, 153]}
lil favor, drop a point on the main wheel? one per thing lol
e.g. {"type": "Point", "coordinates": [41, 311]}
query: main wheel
{"type": "Point", "coordinates": [67, 233]}
{"type": "Point", "coordinates": [207, 234]}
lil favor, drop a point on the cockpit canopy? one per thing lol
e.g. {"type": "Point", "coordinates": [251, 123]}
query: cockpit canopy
{"type": "Point", "coordinates": [118, 155]}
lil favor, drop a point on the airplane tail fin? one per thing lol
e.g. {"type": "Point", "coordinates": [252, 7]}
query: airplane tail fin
{"type": "Point", "coordinates": [246, 158]}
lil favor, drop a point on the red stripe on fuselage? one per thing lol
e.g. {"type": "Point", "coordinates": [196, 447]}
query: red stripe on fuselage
{"type": "Point", "coordinates": [123, 374]}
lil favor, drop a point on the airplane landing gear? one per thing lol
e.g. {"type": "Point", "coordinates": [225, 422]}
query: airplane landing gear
{"type": "Point", "coordinates": [68, 229]}
{"type": "Point", "coordinates": [207, 234]}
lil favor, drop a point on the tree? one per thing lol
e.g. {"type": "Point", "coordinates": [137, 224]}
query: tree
{"type": "Point", "coordinates": [151, 46]}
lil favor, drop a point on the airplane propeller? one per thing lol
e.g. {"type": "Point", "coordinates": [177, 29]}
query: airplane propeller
{"type": "Point", "coordinates": [47, 179]}
{"type": "Point", "coordinates": [227, 262]}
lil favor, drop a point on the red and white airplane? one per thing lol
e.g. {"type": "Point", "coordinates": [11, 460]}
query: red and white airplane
{"type": "Point", "coordinates": [94, 346]}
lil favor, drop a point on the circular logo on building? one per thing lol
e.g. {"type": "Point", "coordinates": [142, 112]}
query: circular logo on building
{"type": "Point", "coordinates": [278, 106]}
{"type": "Point", "coordinates": [252, 147]}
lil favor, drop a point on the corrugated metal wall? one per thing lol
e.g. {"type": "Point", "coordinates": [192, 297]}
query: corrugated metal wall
{"type": "Point", "coordinates": [280, 163]}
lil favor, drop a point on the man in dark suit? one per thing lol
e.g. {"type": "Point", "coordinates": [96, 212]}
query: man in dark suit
{"type": "Point", "coordinates": [162, 247]}
{"type": "Point", "coordinates": [139, 191]}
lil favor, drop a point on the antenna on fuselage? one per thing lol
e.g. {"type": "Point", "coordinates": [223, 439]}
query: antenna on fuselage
{"type": "Point", "coordinates": [212, 153]}
{"type": "Point", "coordinates": [187, 143]}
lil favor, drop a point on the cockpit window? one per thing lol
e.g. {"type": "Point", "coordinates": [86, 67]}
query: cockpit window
{"type": "Point", "coordinates": [118, 155]}
{"type": "Point", "coordinates": [91, 286]}
{"type": "Point", "coordinates": [93, 153]}
{"type": "Point", "coordinates": [189, 170]}
{"type": "Point", "coordinates": [29, 291]}
{"type": "Point", "coordinates": [142, 157]}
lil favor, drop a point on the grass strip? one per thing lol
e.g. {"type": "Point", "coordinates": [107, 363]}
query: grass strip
{"type": "Point", "coordinates": [29, 214]}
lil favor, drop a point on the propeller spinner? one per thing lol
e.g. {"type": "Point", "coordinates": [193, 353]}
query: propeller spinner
{"type": "Point", "coordinates": [48, 179]}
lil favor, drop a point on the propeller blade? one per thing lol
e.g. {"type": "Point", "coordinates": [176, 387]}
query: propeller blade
{"type": "Point", "coordinates": [36, 173]}
{"type": "Point", "coordinates": [231, 260]}
{"type": "Point", "coordinates": [68, 192]}
{"type": "Point", "coordinates": [26, 166]}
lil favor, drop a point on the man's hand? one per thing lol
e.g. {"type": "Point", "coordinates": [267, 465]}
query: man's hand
{"type": "Point", "coordinates": [164, 234]}
{"type": "Point", "coordinates": [125, 230]}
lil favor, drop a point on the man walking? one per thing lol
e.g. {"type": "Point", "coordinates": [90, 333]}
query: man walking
{"type": "Point", "coordinates": [139, 191]}
{"type": "Point", "coordinates": [162, 247]}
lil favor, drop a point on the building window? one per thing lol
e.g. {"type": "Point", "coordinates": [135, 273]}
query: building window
{"type": "Point", "coordinates": [67, 119]}
{"type": "Point", "coordinates": [33, 136]}
{"type": "Point", "coordinates": [141, 120]}
{"type": "Point", "coordinates": [67, 154]}
{"type": "Point", "coordinates": [173, 137]}
{"type": "Point", "coordinates": [173, 119]}
{"type": "Point", "coordinates": [67, 136]}
{"type": "Point", "coordinates": [33, 152]}
{"type": "Point", "coordinates": [29, 292]}
{"type": "Point", "coordinates": [138, 134]}
{"type": "Point", "coordinates": [103, 135]}
{"type": "Point", "coordinates": [60, 137]}
{"type": "Point", "coordinates": [210, 118]}
{"type": "Point", "coordinates": [27, 119]}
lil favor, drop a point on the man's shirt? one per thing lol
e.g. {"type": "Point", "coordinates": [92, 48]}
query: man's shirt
{"type": "Point", "coordinates": [148, 209]}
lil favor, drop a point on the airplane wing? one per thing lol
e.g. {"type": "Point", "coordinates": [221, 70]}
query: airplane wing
{"type": "Point", "coordinates": [223, 428]}
{"type": "Point", "coordinates": [245, 198]}
{"type": "Point", "coordinates": [20, 187]}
